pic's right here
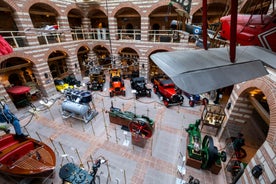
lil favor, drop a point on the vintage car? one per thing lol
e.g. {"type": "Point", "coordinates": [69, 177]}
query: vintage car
{"type": "Point", "coordinates": [117, 86]}
{"type": "Point", "coordinates": [139, 87]}
{"type": "Point", "coordinates": [167, 91]}
{"type": "Point", "coordinates": [96, 82]}
{"type": "Point", "coordinates": [196, 99]}
{"type": "Point", "coordinates": [72, 81]}
{"type": "Point", "coordinates": [61, 85]}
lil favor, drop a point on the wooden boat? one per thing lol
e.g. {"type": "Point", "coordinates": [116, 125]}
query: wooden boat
{"type": "Point", "coordinates": [25, 158]}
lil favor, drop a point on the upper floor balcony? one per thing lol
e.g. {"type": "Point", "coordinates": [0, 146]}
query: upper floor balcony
{"type": "Point", "coordinates": [19, 39]}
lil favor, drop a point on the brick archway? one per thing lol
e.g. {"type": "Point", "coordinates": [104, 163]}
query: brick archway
{"type": "Point", "coordinates": [268, 148]}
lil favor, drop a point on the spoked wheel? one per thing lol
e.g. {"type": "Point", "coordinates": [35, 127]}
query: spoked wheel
{"type": "Point", "coordinates": [166, 103]}
{"type": "Point", "coordinates": [191, 103]}
{"type": "Point", "coordinates": [141, 127]}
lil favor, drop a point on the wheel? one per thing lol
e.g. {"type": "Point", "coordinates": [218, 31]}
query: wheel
{"type": "Point", "coordinates": [205, 101]}
{"type": "Point", "coordinates": [155, 89]}
{"type": "Point", "coordinates": [166, 103]}
{"type": "Point", "coordinates": [149, 94]}
{"type": "Point", "coordinates": [191, 103]}
{"type": "Point", "coordinates": [209, 152]}
{"type": "Point", "coordinates": [223, 156]}
{"type": "Point", "coordinates": [241, 154]}
{"type": "Point", "coordinates": [124, 93]}
{"type": "Point", "coordinates": [140, 127]}
{"type": "Point", "coordinates": [111, 94]}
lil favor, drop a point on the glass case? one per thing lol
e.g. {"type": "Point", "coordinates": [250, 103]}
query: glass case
{"type": "Point", "coordinates": [213, 115]}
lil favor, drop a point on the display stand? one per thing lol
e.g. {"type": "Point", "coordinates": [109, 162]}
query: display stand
{"type": "Point", "coordinates": [215, 168]}
{"type": "Point", "coordinates": [213, 116]}
{"type": "Point", "coordinates": [138, 140]}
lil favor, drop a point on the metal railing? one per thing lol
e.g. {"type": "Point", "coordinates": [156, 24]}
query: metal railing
{"type": "Point", "coordinates": [14, 38]}
{"type": "Point", "coordinates": [18, 39]}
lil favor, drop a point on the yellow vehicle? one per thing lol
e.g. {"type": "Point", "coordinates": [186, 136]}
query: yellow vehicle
{"type": "Point", "coordinates": [61, 85]}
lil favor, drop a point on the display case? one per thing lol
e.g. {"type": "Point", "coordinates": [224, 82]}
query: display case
{"type": "Point", "coordinates": [213, 116]}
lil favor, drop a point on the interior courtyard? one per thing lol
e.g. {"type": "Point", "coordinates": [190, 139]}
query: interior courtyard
{"type": "Point", "coordinates": [54, 40]}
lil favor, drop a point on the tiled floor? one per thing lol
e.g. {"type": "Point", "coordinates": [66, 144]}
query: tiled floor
{"type": "Point", "coordinates": [156, 163]}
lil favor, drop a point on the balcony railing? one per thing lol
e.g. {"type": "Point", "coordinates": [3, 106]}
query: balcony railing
{"type": "Point", "coordinates": [19, 38]}
{"type": "Point", "coordinates": [14, 38]}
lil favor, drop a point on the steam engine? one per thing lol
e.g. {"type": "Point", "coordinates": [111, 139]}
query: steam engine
{"type": "Point", "coordinates": [77, 105]}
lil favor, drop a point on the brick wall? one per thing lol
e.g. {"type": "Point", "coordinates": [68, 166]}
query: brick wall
{"type": "Point", "coordinates": [240, 112]}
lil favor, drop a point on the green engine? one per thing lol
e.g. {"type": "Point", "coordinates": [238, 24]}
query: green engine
{"type": "Point", "coordinates": [204, 150]}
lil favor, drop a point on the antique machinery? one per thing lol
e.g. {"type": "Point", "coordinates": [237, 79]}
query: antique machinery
{"type": "Point", "coordinates": [194, 146]}
{"type": "Point", "coordinates": [70, 173]}
{"type": "Point", "coordinates": [138, 124]}
{"type": "Point", "coordinates": [203, 151]}
{"type": "Point", "coordinates": [142, 126]}
{"type": "Point", "coordinates": [77, 105]}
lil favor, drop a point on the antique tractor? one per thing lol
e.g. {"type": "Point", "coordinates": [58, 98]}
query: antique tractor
{"type": "Point", "coordinates": [204, 151]}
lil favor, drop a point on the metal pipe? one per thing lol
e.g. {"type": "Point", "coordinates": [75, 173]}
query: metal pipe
{"type": "Point", "coordinates": [204, 24]}
{"type": "Point", "coordinates": [233, 30]}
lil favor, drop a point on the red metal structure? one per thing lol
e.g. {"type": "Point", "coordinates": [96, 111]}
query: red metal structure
{"type": "Point", "coordinates": [5, 47]}
{"type": "Point", "coordinates": [259, 30]}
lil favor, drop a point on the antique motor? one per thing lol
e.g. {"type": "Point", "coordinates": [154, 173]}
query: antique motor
{"type": "Point", "coordinates": [77, 105]}
{"type": "Point", "coordinates": [203, 151]}
{"type": "Point", "coordinates": [70, 173]}
{"type": "Point", "coordinates": [140, 126]}
{"type": "Point", "coordinates": [194, 146]}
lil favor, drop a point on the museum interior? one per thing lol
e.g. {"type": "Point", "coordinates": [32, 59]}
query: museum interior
{"type": "Point", "coordinates": [129, 91]}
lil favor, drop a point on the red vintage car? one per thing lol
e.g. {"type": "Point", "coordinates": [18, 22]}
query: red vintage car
{"type": "Point", "coordinates": [167, 91]}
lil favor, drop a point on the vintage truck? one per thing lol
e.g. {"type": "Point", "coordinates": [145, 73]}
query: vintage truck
{"type": "Point", "coordinates": [167, 91]}
{"type": "Point", "coordinates": [117, 86]}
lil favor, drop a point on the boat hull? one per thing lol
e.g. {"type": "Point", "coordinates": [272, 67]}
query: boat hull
{"type": "Point", "coordinates": [25, 158]}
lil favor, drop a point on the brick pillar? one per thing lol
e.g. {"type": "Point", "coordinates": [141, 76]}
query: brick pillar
{"type": "Point", "coordinates": [73, 66]}
{"type": "Point", "coordinates": [112, 21]}
{"type": "Point", "coordinates": [144, 28]}
{"type": "Point", "coordinates": [64, 25]}
{"type": "Point", "coordinates": [143, 62]}
{"type": "Point", "coordinates": [86, 24]}
{"type": "Point", "coordinates": [24, 22]}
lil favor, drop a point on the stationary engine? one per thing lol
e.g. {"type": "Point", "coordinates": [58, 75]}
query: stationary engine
{"type": "Point", "coordinates": [77, 105]}
{"type": "Point", "coordinates": [70, 173]}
